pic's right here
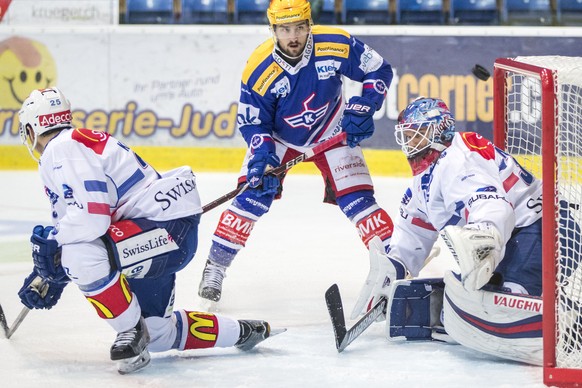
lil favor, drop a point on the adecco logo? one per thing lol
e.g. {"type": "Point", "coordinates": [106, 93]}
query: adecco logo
{"type": "Point", "coordinates": [55, 118]}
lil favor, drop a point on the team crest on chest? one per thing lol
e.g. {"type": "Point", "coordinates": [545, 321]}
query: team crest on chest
{"type": "Point", "coordinates": [309, 116]}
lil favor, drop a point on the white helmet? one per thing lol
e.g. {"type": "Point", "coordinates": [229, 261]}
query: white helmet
{"type": "Point", "coordinates": [44, 110]}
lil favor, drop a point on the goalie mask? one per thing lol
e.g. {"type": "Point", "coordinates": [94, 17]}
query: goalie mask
{"type": "Point", "coordinates": [424, 124]}
{"type": "Point", "coordinates": [43, 111]}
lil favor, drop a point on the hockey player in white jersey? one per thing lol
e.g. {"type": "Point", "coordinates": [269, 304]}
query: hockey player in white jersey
{"type": "Point", "coordinates": [120, 232]}
{"type": "Point", "coordinates": [291, 100]}
{"type": "Point", "coordinates": [488, 210]}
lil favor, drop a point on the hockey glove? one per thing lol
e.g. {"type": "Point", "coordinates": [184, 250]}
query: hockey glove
{"type": "Point", "coordinates": [358, 121]}
{"type": "Point", "coordinates": [259, 164]}
{"type": "Point", "coordinates": [46, 255]}
{"type": "Point", "coordinates": [383, 272]}
{"type": "Point", "coordinates": [477, 249]}
{"type": "Point", "coordinates": [37, 293]}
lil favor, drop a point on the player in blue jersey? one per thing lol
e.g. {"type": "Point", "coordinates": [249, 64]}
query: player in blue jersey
{"type": "Point", "coordinates": [291, 99]}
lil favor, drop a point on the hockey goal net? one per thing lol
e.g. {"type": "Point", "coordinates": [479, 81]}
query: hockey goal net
{"type": "Point", "coordinates": [538, 119]}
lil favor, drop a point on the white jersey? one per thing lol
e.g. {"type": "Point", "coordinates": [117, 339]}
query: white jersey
{"type": "Point", "coordinates": [93, 180]}
{"type": "Point", "coordinates": [471, 182]}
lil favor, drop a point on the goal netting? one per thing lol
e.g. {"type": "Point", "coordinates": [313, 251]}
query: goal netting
{"type": "Point", "coordinates": [538, 119]}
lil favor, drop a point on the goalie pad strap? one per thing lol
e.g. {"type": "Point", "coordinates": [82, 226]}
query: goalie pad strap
{"type": "Point", "coordinates": [414, 310]}
{"type": "Point", "coordinates": [500, 324]}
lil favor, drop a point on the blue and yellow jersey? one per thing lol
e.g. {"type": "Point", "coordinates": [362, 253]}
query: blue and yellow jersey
{"type": "Point", "coordinates": [300, 105]}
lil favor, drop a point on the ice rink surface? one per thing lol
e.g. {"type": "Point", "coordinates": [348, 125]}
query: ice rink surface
{"type": "Point", "coordinates": [295, 253]}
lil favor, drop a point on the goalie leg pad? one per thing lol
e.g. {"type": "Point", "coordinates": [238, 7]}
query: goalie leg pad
{"type": "Point", "coordinates": [414, 309]}
{"type": "Point", "coordinates": [500, 324]}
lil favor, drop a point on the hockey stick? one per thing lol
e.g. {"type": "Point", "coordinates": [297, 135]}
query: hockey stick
{"type": "Point", "coordinates": [319, 148]}
{"type": "Point", "coordinates": [23, 313]}
{"type": "Point", "coordinates": [344, 337]}
{"type": "Point", "coordinates": [333, 300]}
{"type": "Point", "coordinates": [42, 289]}
{"type": "Point", "coordinates": [3, 322]}
{"type": "Point", "coordinates": [9, 330]}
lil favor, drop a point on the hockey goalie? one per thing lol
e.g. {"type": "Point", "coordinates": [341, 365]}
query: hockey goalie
{"type": "Point", "coordinates": [487, 208]}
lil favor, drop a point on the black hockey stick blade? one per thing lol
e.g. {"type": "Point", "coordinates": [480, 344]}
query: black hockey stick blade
{"type": "Point", "coordinates": [3, 322]}
{"type": "Point", "coordinates": [364, 322]}
{"type": "Point", "coordinates": [333, 300]}
{"type": "Point", "coordinates": [345, 337]}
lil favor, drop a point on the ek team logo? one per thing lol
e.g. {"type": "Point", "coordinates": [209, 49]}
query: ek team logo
{"type": "Point", "coordinates": [308, 117]}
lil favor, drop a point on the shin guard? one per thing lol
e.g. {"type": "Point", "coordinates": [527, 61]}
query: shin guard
{"type": "Point", "coordinates": [198, 330]}
{"type": "Point", "coordinates": [375, 222]}
{"type": "Point", "coordinates": [115, 303]}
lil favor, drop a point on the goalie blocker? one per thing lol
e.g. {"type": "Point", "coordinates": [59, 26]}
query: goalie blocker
{"type": "Point", "coordinates": [497, 323]}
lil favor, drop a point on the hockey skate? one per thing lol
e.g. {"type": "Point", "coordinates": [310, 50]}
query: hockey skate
{"type": "Point", "coordinates": [211, 283]}
{"type": "Point", "coordinates": [253, 333]}
{"type": "Point", "coordinates": [130, 348]}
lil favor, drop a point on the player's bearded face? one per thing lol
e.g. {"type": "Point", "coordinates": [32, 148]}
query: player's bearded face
{"type": "Point", "coordinates": [292, 37]}
{"type": "Point", "coordinates": [417, 139]}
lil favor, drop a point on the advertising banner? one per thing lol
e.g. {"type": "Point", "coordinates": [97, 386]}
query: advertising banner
{"type": "Point", "coordinates": [179, 86]}
{"type": "Point", "coordinates": [59, 12]}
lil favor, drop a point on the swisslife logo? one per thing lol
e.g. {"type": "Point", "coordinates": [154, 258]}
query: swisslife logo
{"type": "Point", "coordinates": [55, 118]}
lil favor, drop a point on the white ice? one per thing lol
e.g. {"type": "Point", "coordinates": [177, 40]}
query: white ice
{"type": "Point", "coordinates": [295, 253]}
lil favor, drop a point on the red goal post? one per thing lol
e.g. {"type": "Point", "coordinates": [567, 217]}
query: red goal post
{"type": "Point", "coordinates": [538, 119]}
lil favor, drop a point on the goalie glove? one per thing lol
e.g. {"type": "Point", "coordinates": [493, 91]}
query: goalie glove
{"type": "Point", "coordinates": [383, 272]}
{"type": "Point", "coordinates": [477, 249]}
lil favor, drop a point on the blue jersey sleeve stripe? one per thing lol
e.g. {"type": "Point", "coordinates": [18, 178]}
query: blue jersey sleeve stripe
{"type": "Point", "coordinates": [96, 186]}
{"type": "Point", "coordinates": [137, 176]}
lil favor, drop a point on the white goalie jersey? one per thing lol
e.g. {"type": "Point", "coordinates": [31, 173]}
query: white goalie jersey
{"type": "Point", "coordinates": [93, 180]}
{"type": "Point", "coordinates": [471, 182]}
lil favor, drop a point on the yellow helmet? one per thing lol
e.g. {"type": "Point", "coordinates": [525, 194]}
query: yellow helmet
{"type": "Point", "coordinates": [288, 11]}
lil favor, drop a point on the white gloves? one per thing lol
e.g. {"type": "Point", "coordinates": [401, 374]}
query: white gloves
{"type": "Point", "coordinates": [477, 249]}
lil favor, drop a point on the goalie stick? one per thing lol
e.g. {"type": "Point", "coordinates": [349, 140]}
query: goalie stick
{"type": "Point", "coordinates": [278, 171]}
{"type": "Point", "coordinates": [344, 337]}
{"type": "Point", "coordinates": [333, 300]}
